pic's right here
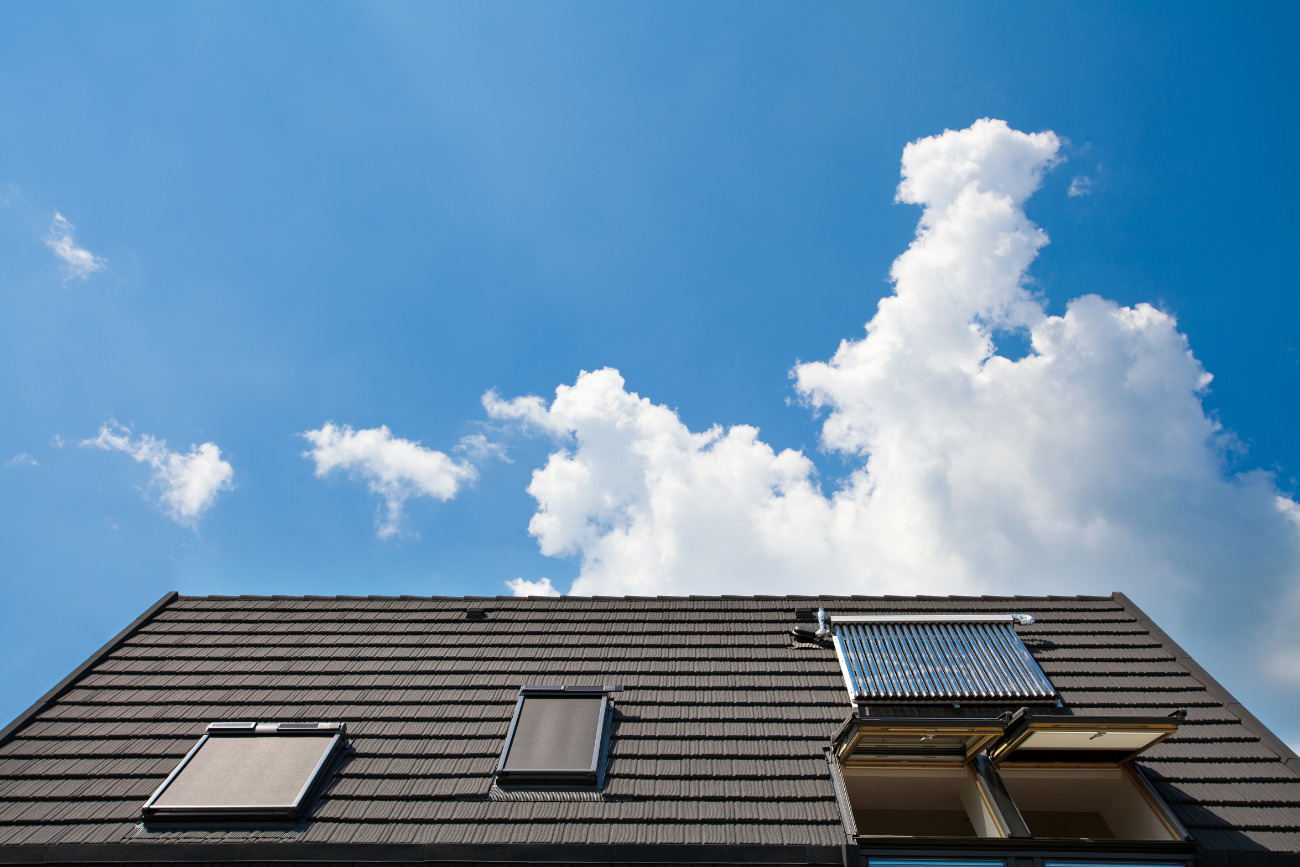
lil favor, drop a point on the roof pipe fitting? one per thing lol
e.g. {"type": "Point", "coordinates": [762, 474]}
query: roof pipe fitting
{"type": "Point", "coordinates": [823, 624]}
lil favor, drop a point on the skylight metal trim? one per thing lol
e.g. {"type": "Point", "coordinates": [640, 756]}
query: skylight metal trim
{"type": "Point", "coordinates": [938, 659]}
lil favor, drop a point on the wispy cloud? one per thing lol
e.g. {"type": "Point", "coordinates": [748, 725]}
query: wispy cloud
{"type": "Point", "coordinates": [479, 446]}
{"type": "Point", "coordinates": [22, 460]}
{"type": "Point", "coordinates": [56, 441]}
{"type": "Point", "coordinates": [394, 468]}
{"type": "Point", "coordinates": [189, 482]}
{"type": "Point", "coordinates": [78, 261]}
{"type": "Point", "coordinates": [1080, 186]}
{"type": "Point", "coordinates": [520, 587]}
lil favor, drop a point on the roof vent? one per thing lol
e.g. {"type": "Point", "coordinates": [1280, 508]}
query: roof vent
{"type": "Point", "coordinates": [476, 614]}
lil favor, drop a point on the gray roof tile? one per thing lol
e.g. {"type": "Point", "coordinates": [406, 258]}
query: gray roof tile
{"type": "Point", "coordinates": [1262, 794]}
{"type": "Point", "coordinates": [1211, 771]}
{"type": "Point", "coordinates": [1251, 817]}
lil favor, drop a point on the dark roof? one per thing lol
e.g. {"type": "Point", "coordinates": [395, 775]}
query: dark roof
{"type": "Point", "coordinates": [719, 738]}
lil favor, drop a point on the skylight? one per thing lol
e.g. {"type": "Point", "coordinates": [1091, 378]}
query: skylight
{"type": "Point", "coordinates": [556, 737]}
{"type": "Point", "coordinates": [248, 771]}
{"type": "Point", "coordinates": [938, 658]}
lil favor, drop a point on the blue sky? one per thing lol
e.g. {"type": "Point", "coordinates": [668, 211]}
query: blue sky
{"type": "Point", "coordinates": [374, 214]}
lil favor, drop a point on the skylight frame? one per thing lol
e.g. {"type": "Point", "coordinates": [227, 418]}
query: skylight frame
{"type": "Point", "coordinates": [592, 777]}
{"type": "Point", "coordinates": [336, 732]}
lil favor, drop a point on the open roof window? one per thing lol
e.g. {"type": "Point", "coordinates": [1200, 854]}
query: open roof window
{"type": "Point", "coordinates": [1073, 777]}
{"type": "Point", "coordinates": [248, 772]}
{"type": "Point", "coordinates": [1015, 775]}
{"type": "Point", "coordinates": [932, 659]}
{"type": "Point", "coordinates": [913, 776]}
{"type": "Point", "coordinates": [558, 736]}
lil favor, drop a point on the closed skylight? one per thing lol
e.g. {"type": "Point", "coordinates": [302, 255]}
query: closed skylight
{"type": "Point", "coordinates": [556, 737]}
{"type": "Point", "coordinates": [247, 771]}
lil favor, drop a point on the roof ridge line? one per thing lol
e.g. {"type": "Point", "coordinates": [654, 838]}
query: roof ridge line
{"type": "Point", "coordinates": [955, 597]}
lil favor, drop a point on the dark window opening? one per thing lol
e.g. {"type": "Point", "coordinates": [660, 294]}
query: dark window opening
{"type": "Point", "coordinates": [911, 777]}
{"type": "Point", "coordinates": [1095, 803]}
{"type": "Point", "coordinates": [248, 772]}
{"type": "Point", "coordinates": [920, 802]}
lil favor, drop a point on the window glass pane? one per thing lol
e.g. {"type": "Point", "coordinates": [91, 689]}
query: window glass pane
{"type": "Point", "coordinates": [1088, 739]}
{"type": "Point", "coordinates": [246, 771]}
{"type": "Point", "coordinates": [555, 733]}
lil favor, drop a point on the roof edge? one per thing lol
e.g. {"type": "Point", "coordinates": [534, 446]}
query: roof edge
{"type": "Point", "coordinates": [1212, 686]}
{"type": "Point", "coordinates": [417, 853]}
{"type": "Point", "coordinates": [62, 686]}
{"type": "Point", "coordinates": [692, 598]}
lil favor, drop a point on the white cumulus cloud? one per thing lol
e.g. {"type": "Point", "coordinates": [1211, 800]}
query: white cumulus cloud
{"type": "Point", "coordinates": [78, 261]}
{"type": "Point", "coordinates": [1089, 465]}
{"type": "Point", "coordinates": [394, 468]}
{"type": "Point", "coordinates": [189, 482]}
{"type": "Point", "coordinates": [520, 587]}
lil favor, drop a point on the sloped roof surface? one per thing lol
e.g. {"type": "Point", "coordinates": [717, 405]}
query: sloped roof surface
{"type": "Point", "coordinates": [719, 738]}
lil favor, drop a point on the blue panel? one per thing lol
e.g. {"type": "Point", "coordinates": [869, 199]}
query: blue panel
{"type": "Point", "coordinates": [1114, 864]}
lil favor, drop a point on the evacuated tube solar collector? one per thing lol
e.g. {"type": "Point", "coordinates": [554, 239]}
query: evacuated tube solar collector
{"type": "Point", "coordinates": [976, 658]}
